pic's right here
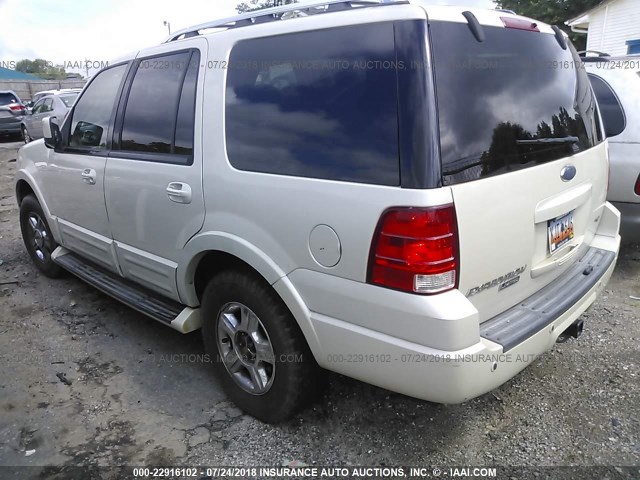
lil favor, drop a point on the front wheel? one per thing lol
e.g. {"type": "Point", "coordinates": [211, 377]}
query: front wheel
{"type": "Point", "coordinates": [261, 357]}
{"type": "Point", "coordinates": [37, 237]}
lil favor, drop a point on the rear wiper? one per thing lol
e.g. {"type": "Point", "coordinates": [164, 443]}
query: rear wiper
{"type": "Point", "coordinates": [548, 140]}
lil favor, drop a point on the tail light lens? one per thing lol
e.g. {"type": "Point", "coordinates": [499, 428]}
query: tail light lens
{"type": "Point", "coordinates": [637, 187]}
{"type": "Point", "coordinates": [416, 250]}
{"type": "Point", "coordinates": [16, 107]}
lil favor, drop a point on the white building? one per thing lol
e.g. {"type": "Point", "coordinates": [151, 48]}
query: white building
{"type": "Point", "coordinates": [612, 27]}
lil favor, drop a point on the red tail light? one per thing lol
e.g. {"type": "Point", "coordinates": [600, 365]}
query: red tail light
{"type": "Point", "coordinates": [415, 250]}
{"type": "Point", "coordinates": [16, 107]}
{"type": "Point", "coordinates": [637, 187]}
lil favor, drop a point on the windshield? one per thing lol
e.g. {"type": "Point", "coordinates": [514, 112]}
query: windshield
{"type": "Point", "coordinates": [7, 98]}
{"type": "Point", "coordinates": [68, 99]}
{"type": "Point", "coordinates": [514, 101]}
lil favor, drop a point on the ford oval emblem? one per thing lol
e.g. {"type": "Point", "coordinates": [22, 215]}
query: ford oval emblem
{"type": "Point", "coordinates": [568, 173]}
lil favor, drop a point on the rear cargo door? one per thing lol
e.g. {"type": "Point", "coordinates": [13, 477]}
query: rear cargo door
{"type": "Point", "coordinates": [524, 156]}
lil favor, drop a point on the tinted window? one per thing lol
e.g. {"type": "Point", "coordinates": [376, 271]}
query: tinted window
{"type": "Point", "coordinates": [7, 98]}
{"type": "Point", "coordinates": [316, 104]}
{"type": "Point", "coordinates": [509, 102]}
{"type": "Point", "coordinates": [610, 108]}
{"type": "Point", "coordinates": [150, 116]}
{"type": "Point", "coordinates": [92, 113]}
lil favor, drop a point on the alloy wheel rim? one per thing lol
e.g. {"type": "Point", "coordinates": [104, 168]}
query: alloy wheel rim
{"type": "Point", "coordinates": [25, 135]}
{"type": "Point", "coordinates": [245, 348]}
{"type": "Point", "coordinates": [39, 236]}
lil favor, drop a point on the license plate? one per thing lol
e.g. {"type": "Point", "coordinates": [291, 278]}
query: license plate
{"type": "Point", "coordinates": [560, 231]}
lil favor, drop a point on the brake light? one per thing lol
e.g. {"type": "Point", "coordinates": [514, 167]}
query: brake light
{"type": "Point", "coordinates": [637, 187]}
{"type": "Point", "coordinates": [415, 250]}
{"type": "Point", "coordinates": [520, 24]}
{"type": "Point", "coordinates": [16, 107]}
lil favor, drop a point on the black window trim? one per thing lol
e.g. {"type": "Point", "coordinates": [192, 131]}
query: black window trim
{"type": "Point", "coordinates": [169, 158]}
{"type": "Point", "coordinates": [66, 127]}
{"type": "Point", "coordinates": [615, 95]}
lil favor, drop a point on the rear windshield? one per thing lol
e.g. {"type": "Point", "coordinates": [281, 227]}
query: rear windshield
{"type": "Point", "coordinates": [514, 101]}
{"type": "Point", "coordinates": [7, 98]}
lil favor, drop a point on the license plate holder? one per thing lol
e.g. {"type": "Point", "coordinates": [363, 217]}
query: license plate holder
{"type": "Point", "coordinates": [560, 231]}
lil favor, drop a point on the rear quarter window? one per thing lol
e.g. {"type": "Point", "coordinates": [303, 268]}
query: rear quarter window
{"type": "Point", "coordinates": [612, 113]}
{"type": "Point", "coordinates": [318, 104]}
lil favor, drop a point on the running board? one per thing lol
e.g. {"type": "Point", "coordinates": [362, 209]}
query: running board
{"type": "Point", "coordinates": [179, 317]}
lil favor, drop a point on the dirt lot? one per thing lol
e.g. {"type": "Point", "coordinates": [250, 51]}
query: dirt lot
{"type": "Point", "coordinates": [87, 381]}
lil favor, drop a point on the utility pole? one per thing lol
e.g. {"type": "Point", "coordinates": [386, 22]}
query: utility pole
{"type": "Point", "coordinates": [168, 25]}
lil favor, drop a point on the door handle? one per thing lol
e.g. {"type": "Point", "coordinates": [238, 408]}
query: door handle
{"type": "Point", "coordinates": [179, 192]}
{"type": "Point", "coordinates": [89, 176]}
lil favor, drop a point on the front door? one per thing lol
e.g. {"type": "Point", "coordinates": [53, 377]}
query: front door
{"type": "Point", "coordinates": [153, 187]}
{"type": "Point", "coordinates": [75, 172]}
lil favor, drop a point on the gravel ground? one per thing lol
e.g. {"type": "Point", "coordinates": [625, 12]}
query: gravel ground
{"type": "Point", "coordinates": [87, 381]}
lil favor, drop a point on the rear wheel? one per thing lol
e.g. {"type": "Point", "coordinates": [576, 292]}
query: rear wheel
{"type": "Point", "coordinates": [37, 237]}
{"type": "Point", "coordinates": [25, 135]}
{"type": "Point", "coordinates": [261, 357]}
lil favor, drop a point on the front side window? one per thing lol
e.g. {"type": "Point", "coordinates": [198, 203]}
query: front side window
{"type": "Point", "coordinates": [320, 104]}
{"type": "Point", "coordinates": [160, 111]}
{"type": "Point", "coordinates": [47, 106]}
{"type": "Point", "coordinates": [610, 108]}
{"type": "Point", "coordinates": [38, 107]}
{"type": "Point", "coordinates": [92, 114]}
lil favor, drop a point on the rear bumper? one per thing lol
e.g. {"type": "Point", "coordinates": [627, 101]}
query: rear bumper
{"type": "Point", "coordinates": [629, 222]}
{"type": "Point", "coordinates": [502, 347]}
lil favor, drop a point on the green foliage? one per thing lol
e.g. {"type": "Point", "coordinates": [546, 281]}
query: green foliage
{"type": "Point", "coordinates": [41, 68]}
{"type": "Point", "coordinates": [553, 12]}
{"type": "Point", "coordinates": [260, 4]}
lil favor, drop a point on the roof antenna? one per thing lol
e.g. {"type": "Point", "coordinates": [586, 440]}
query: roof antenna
{"type": "Point", "coordinates": [474, 26]}
{"type": "Point", "coordinates": [559, 36]}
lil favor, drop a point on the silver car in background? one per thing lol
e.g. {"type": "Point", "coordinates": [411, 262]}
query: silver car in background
{"type": "Point", "coordinates": [11, 112]}
{"type": "Point", "coordinates": [54, 105]}
{"type": "Point", "coordinates": [616, 83]}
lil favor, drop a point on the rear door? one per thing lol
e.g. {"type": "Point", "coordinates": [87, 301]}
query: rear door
{"type": "Point", "coordinates": [153, 186]}
{"type": "Point", "coordinates": [523, 154]}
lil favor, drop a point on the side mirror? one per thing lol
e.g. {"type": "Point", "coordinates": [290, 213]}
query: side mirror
{"type": "Point", "coordinates": [51, 132]}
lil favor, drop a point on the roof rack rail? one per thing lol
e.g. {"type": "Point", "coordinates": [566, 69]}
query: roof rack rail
{"type": "Point", "coordinates": [277, 13]}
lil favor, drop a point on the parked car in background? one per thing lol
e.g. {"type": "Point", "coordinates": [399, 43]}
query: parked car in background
{"type": "Point", "coordinates": [54, 105]}
{"type": "Point", "coordinates": [12, 111]}
{"type": "Point", "coordinates": [407, 227]}
{"type": "Point", "coordinates": [616, 84]}
{"type": "Point", "coordinates": [44, 93]}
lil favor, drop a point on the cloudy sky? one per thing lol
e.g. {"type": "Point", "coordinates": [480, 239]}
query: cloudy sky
{"type": "Point", "coordinates": [70, 31]}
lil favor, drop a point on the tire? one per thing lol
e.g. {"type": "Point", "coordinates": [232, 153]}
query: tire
{"type": "Point", "coordinates": [25, 135]}
{"type": "Point", "coordinates": [292, 378]}
{"type": "Point", "coordinates": [37, 237]}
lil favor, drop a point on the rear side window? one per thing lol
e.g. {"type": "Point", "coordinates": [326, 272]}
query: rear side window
{"type": "Point", "coordinates": [92, 114]}
{"type": "Point", "coordinates": [7, 98]}
{"type": "Point", "coordinates": [511, 102]}
{"type": "Point", "coordinates": [160, 110]}
{"type": "Point", "coordinates": [318, 104]}
{"type": "Point", "coordinates": [610, 108]}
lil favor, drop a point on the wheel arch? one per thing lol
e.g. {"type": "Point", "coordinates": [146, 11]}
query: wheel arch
{"type": "Point", "coordinates": [211, 252]}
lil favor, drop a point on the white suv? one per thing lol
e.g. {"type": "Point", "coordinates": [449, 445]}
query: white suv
{"type": "Point", "coordinates": [408, 195]}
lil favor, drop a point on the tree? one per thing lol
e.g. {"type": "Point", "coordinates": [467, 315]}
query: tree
{"type": "Point", "coordinates": [41, 68]}
{"type": "Point", "coordinates": [260, 4]}
{"type": "Point", "coordinates": [553, 12]}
